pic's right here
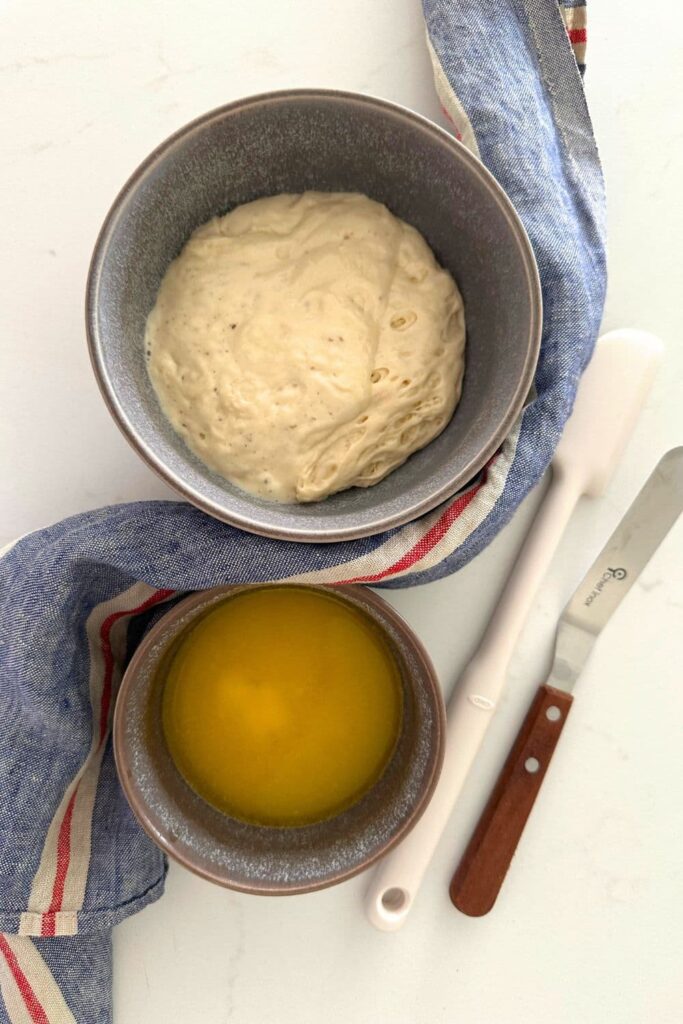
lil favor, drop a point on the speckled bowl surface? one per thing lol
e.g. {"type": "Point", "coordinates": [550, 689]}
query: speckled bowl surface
{"type": "Point", "coordinates": [267, 860]}
{"type": "Point", "coordinates": [330, 141]}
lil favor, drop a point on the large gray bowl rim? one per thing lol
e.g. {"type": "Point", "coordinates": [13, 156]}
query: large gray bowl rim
{"type": "Point", "coordinates": [306, 532]}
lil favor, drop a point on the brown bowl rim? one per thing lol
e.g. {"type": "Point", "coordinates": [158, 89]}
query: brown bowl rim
{"type": "Point", "coordinates": [368, 599]}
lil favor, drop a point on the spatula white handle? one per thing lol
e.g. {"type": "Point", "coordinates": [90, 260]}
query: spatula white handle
{"type": "Point", "coordinates": [397, 878]}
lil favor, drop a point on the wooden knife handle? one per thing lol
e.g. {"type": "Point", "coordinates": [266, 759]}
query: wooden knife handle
{"type": "Point", "coordinates": [479, 876]}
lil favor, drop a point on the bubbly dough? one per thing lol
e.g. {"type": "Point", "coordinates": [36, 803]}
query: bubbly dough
{"type": "Point", "coordinates": [303, 344]}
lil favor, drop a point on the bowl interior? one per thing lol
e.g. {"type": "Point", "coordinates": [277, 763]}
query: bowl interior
{"type": "Point", "coordinates": [291, 142]}
{"type": "Point", "coordinates": [266, 859]}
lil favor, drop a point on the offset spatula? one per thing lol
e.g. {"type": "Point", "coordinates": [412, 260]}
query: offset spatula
{"type": "Point", "coordinates": [481, 872]}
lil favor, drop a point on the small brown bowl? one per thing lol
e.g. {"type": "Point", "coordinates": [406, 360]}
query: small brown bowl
{"type": "Point", "coordinates": [262, 859]}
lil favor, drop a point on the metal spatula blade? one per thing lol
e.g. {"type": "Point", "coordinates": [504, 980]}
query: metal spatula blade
{"type": "Point", "coordinates": [617, 567]}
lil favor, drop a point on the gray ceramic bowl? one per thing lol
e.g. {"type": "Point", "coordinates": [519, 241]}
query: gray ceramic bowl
{"type": "Point", "coordinates": [266, 860]}
{"type": "Point", "coordinates": [331, 141]}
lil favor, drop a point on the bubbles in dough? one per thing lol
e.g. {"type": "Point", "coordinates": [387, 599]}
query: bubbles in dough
{"type": "Point", "coordinates": [303, 344]}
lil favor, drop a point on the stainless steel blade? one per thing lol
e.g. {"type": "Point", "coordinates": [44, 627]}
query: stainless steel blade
{"type": "Point", "coordinates": [617, 567]}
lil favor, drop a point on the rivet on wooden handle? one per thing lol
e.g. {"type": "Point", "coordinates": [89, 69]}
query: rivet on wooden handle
{"type": "Point", "coordinates": [479, 877]}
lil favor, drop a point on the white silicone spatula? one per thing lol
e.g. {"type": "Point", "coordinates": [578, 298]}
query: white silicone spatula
{"type": "Point", "coordinates": [609, 399]}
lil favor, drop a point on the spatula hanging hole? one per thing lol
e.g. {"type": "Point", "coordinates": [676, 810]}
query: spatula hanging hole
{"type": "Point", "coordinates": [553, 714]}
{"type": "Point", "coordinates": [532, 764]}
{"type": "Point", "coordinates": [394, 900]}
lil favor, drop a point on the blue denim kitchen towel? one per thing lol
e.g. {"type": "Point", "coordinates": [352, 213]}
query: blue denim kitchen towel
{"type": "Point", "coordinates": [77, 596]}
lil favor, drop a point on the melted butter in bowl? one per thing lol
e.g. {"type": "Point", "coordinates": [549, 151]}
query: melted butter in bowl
{"type": "Point", "coordinates": [278, 739]}
{"type": "Point", "coordinates": [282, 706]}
{"type": "Point", "coordinates": [304, 344]}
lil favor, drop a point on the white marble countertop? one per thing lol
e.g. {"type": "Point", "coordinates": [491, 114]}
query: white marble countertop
{"type": "Point", "coordinates": [589, 926]}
